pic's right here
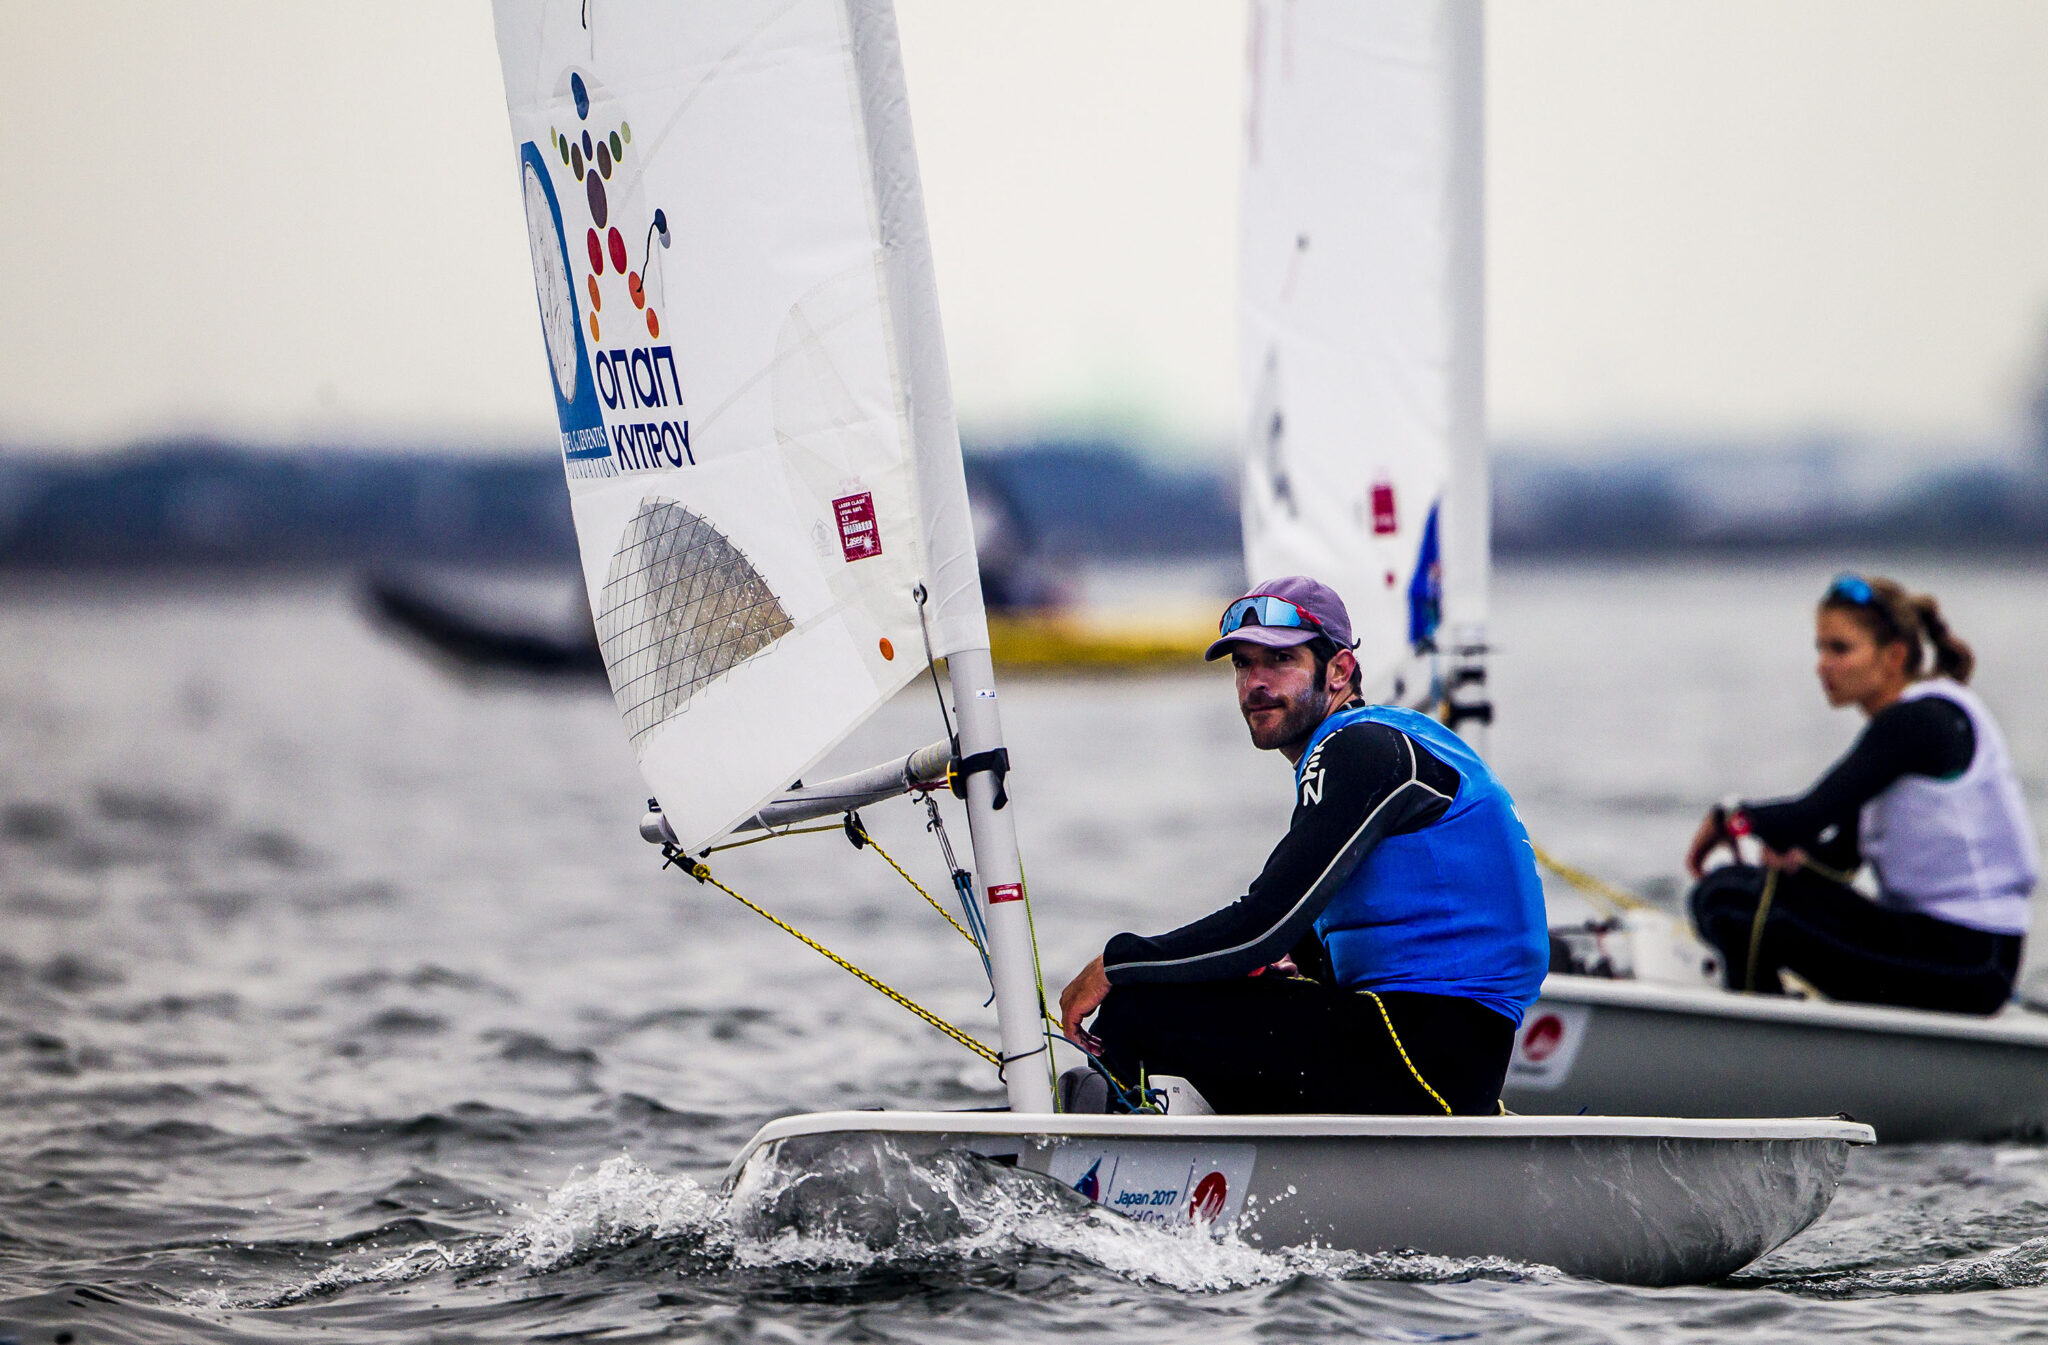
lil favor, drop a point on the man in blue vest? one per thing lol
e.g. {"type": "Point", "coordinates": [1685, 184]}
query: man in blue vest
{"type": "Point", "coordinates": [1382, 960]}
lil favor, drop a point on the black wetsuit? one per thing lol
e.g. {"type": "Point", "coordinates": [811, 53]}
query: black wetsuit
{"type": "Point", "coordinates": [1189, 1002]}
{"type": "Point", "coordinates": [1849, 947]}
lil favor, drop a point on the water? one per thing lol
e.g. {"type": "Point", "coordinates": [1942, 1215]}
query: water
{"type": "Point", "coordinates": [337, 994]}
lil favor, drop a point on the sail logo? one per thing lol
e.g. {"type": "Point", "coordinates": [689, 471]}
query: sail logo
{"type": "Point", "coordinates": [620, 405]}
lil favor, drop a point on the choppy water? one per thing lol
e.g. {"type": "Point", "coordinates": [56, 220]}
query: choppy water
{"type": "Point", "coordinates": [338, 994]}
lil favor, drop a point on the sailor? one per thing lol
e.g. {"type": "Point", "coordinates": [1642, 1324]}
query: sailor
{"type": "Point", "coordinates": [1926, 796]}
{"type": "Point", "coordinates": [1383, 958]}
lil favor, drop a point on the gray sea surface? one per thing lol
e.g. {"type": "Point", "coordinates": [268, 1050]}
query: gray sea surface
{"type": "Point", "coordinates": [338, 994]}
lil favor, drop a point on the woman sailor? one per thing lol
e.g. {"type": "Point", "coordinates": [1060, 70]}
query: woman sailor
{"type": "Point", "coordinates": [1926, 796]}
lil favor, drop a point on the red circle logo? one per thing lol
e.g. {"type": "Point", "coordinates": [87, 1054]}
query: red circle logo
{"type": "Point", "coordinates": [1541, 1038]}
{"type": "Point", "coordinates": [1207, 1201]}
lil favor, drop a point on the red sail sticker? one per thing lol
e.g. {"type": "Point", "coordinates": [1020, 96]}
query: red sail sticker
{"type": "Point", "coordinates": [1005, 892]}
{"type": "Point", "coordinates": [858, 536]}
{"type": "Point", "coordinates": [1384, 519]}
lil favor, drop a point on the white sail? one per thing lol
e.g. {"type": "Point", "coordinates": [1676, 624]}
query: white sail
{"type": "Point", "coordinates": [743, 336]}
{"type": "Point", "coordinates": [1360, 321]}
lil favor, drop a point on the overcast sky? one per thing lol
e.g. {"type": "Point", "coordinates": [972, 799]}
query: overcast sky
{"type": "Point", "coordinates": [1753, 217]}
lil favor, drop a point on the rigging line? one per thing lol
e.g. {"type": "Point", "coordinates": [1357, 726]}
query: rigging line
{"type": "Point", "coordinates": [1832, 875]}
{"type": "Point", "coordinates": [1404, 1053]}
{"type": "Point", "coordinates": [1763, 910]}
{"type": "Point", "coordinates": [702, 873]}
{"type": "Point", "coordinates": [963, 888]}
{"type": "Point", "coordinates": [931, 664]}
{"type": "Point", "coordinates": [1756, 926]}
{"type": "Point", "coordinates": [771, 836]}
{"type": "Point", "coordinates": [1031, 930]}
{"type": "Point", "coordinates": [1124, 1091]}
{"type": "Point", "coordinates": [1588, 883]}
{"type": "Point", "coordinates": [915, 886]}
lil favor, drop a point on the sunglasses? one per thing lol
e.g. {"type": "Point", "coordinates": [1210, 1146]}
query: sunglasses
{"type": "Point", "coordinates": [1264, 610]}
{"type": "Point", "coordinates": [1851, 588]}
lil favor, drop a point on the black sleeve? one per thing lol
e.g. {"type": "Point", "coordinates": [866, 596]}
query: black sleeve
{"type": "Point", "coordinates": [1928, 735]}
{"type": "Point", "coordinates": [1362, 783]}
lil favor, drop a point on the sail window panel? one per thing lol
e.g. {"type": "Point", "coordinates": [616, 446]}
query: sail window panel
{"type": "Point", "coordinates": [683, 606]}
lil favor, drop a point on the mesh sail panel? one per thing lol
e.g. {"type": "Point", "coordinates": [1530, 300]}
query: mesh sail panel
{"type": "Point", "coordinates": [681, 607]}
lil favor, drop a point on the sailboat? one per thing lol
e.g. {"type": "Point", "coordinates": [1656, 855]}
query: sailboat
{"type": "Point", "coordinates": [742, 332]}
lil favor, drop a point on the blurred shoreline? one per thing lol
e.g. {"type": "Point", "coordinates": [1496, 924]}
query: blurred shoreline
{"type": "Point", "coordinates": [206, 506]}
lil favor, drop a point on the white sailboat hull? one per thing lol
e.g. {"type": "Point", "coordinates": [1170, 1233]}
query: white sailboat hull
{"type": "Point", "coordinates": [1635, 1048]}
{"type": "Point", "coordinates": [1631, 1200]}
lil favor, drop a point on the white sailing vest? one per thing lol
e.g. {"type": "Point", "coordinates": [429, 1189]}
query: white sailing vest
{"type": "Point", "coordinates": [1961, 850]}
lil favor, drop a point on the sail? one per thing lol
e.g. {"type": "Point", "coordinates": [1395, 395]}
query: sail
{"type": "Point", "coordinates": [1360, 312]}
{"type": "Point", "coordinates": [742, 335]}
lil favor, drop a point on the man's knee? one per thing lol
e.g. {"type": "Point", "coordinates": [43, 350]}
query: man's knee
{"type": "Point", "coordinates": [1135, 1014]}
{"type": "Point", "coordinates": [1728, 894]}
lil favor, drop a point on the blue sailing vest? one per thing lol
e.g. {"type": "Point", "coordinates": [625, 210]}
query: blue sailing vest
{"type": "Point", "coordinates": [1453, 909]}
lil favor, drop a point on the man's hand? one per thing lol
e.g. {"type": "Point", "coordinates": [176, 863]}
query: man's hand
{"type": "Point", "coordinates": [1789, 861]}
{"type": "Point", "coordinates": [1083, 995]}
{"type": "Point", "coordinates": [1713, 831]}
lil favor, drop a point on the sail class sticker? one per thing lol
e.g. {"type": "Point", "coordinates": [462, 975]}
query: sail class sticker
{"type": "Point", "coordinates": [858, 536]}
{"type": "Point", "coordinates": [1164, 1183]}
{"type": "Point", "coordinates": [1005, 892]}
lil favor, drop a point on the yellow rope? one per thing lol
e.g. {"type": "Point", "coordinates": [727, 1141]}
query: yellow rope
{"type": "Point", "coordinates": [1763, 909]}
{"type": "Point", "coordinates": [1756, 926]}
{"type": "Point", "coordinates": [1404, 1054]}
{"type": "Point", "coordinates": [914, 885]}
{"type": "Point", "coordinates": [702, 873]}
{"type": "Point", "coordinates": [1586, 882]}
{"type": "Point", "coordinates": [771, 836]}
{"type": "Point", "coordinates": [1832, 875]}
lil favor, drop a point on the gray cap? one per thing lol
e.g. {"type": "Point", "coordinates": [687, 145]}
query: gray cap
{"type": "Point", "coordinates": [1317, 601]}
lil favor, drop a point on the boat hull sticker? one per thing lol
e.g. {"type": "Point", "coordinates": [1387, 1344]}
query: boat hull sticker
{"type": "Point", "coordinates": [1547, 1044]}
{"type": "Point", "coordinates": [1160, 1182]}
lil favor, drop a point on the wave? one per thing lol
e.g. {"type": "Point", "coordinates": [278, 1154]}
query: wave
{"type": "Point", "coordinates": [878, 1211]}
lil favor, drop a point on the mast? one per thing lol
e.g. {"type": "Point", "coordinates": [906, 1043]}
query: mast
{"type": "Point", "coordinates": [1468, 523]}
{"type": "Point", "coordinates": [999, 875]}
{"type": "Point", "coordinates": [960, 629]}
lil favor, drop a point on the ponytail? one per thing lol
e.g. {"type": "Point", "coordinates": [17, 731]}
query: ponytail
{"type": "Point", "coordinates": [1952, 658]}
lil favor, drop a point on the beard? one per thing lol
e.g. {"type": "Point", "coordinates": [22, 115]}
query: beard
{"type": "Point", "coordinates": [1297, 721]}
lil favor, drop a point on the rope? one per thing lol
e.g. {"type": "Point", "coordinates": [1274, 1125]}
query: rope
{"type": "Point", "coordinates": [1404, 1053]}
{"type": "Point", "coordinates": [1832, 875]}
{"type": "Point", "coordinates": [1031, 929]}
{"type": "Point", "coordinates": [1587, 883]}
{"type": "Point", "coordinates": [1125, 1094]}
{"type": "Point", "coordinates": [702, 873]}
{"type": "Point", "coordinates": [1756, 926]}
{"type": "Point", "coordinates": [771, 836]}
{"type": "Point", "coordinates": [963, 890]}
{"type": "Point", "coordinates": [1763, 909]}
{"type": "Point", "coordinates": [856, 825]}
{"type": "Point", "coordinates": [931, 665]}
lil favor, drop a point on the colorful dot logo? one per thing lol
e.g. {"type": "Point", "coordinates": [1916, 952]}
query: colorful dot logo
{"type": "Point", "coordinates": [593, 158]}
